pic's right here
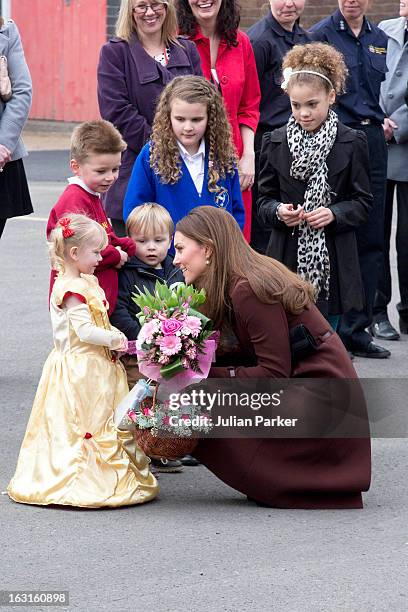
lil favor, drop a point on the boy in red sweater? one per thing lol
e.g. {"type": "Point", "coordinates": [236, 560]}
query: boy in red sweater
{"type": "Point", "coordinates": [96, 149]}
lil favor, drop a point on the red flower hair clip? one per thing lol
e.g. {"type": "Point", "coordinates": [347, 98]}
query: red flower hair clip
{"type": "Point", "coordinates": [67, 232]}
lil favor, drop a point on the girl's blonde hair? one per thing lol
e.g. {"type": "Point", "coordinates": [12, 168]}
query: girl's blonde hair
{"type": "Point", "coordinates": [125, 24]}
{"type": "Point", "coordinates": [319, 57]}
{"type": "Point", "coordinates": [77, 229]}
{"type": "Point", "coordinates": [165, 157]}
{"type": "Point", "coordinates": [232, 259]}
{"type": "Point", "coordinates": [149, 219]}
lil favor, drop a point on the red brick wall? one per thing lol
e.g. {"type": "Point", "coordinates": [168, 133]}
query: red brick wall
{"type": "Point", "coordinates": [251, 10]}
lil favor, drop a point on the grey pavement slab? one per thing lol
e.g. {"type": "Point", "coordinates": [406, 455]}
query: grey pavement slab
{"type": "Point", "coordinates": [47, 166]}
{"type": "Point", "coordinates": [200, 546]}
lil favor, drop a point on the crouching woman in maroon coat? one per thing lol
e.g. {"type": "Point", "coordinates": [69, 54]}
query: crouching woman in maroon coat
{"type": "Point", "coordinates": [261, 301]}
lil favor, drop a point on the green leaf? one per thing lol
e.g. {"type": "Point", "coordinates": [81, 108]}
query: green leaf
{"type": "Point", "coordinates": [171, 369]}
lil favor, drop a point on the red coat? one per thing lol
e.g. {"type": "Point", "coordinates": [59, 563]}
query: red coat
{"type": "Point", "coordinates": [238, 77]}
{"type": "Point", "coordinates": [77, 200]}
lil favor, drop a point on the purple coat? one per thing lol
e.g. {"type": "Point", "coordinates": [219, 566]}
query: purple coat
{"type": "Point", "coordinates": [129, 84]}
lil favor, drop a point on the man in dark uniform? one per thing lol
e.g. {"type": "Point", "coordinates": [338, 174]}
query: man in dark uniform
{"type": "Point", "coordinates": [364, 47]}
{"type": "Point", "coordinates": [271, 38]}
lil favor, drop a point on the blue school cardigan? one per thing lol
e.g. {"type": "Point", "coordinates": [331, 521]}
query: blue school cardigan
{"type": "Point", "coordinates": [180, 198]}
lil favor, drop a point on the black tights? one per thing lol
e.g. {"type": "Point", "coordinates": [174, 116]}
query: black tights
{"type": "Point", "coordinates": [2, 224]}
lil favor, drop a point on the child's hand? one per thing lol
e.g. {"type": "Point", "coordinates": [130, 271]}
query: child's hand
{"type": "Point", "coordinates": [319, 218]}
{"type": "Point", "coordinates": [123, 348]}
{"type": "Point", "coordinates": [123, 257]}
{"type": "Point", "coordinates": [290, 216]}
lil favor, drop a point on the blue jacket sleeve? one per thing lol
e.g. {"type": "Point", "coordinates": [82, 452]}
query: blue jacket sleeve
{"type": "Point", "coordinates": [238, 210]}
{"type": "Point", "coordinates": [142, 185]}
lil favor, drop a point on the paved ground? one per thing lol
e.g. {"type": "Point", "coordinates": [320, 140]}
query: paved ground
{"type": "Point", "coordinates": [200, 546]}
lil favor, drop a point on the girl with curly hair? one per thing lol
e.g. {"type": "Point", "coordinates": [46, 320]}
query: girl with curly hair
{"type": "Point", "coordinates": [227, 60]}
{"type": "Point", "coordinates": [314, 188]}
{"type": "Point", "coordinates": [190, 160]}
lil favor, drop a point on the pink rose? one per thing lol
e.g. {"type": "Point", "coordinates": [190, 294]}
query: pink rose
{"type": "Point", "coordinates": [170, 345]}
{"type": "Point", "coordinates": [192, 325]}
{"type": "Point", "coordinates": [170, 326]}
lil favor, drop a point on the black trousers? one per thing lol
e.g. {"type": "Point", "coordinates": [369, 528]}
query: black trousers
{"type": "Point", "coordinates": [259, 234]}
{"type": "Point", "coordinates": [370, 243]}
{"type": "Point", "coordinates": [384, 289]}
{"type": "Point", "coordinates": [2, 224]}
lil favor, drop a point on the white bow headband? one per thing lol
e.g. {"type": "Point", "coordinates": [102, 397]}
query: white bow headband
{"type": "Point", "coordinates": [288, 72]}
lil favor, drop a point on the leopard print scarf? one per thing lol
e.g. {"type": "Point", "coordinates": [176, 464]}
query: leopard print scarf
{"type": "Point", "coordinates": [309, 152]}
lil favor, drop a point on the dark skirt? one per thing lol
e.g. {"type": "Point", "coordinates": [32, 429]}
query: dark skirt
{"type": "Point", "coordinates": [14, 194]}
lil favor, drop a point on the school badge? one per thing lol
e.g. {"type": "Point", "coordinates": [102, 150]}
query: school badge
{"type": "Point", "coordinates": [222, 198]}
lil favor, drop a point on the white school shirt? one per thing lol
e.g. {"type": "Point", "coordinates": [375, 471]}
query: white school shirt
{"type": "Point", "coordinates": [76, 180]}
{"type": "Point", "coordinates": [195, 164]}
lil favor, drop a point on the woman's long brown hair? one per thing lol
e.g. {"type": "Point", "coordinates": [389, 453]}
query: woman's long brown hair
{"type": "Point", "coordinates": [232, 259]}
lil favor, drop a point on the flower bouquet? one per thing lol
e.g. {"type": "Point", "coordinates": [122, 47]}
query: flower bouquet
{"type": "Point", "coordinates": [175, 348]}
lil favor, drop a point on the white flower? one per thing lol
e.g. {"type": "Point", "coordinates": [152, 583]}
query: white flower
{"type": "Point", "coordinates": [287, 73]}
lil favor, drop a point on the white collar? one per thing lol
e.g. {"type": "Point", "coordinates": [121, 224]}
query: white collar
{"type": "Point", "coordinates": [185, 154]}
{"type": "Point", "coordinates": [76, 180]}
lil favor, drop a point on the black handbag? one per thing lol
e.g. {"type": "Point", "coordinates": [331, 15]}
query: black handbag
{"type": "Point", "coordinates": [302, 343]}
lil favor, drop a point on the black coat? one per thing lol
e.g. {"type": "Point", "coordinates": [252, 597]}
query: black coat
{"type": "Point", "coordinates": [135, 273]}
{"type": "Point", "coordinates": [351, 203]}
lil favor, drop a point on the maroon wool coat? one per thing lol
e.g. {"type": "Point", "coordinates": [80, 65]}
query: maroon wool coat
{"type": "Point", "coordinates": [291, 472]}
{"type": "Point", "coordinates": [130, 82]}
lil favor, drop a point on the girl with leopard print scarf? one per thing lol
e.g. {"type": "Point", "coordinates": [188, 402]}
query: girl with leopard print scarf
{"type": "Point", "coordinates": [307, 162]}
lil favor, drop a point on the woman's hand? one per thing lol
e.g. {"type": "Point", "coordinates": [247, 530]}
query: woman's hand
{"type": "Point", "coordinates": [319, 218]}
{"type": "Point", "coordinates": [5, 156]}
{"type": "Point", "coordinates": [389, 126]}
{"type": "Point", "coordinates": [246, 168]}
{"type": "Point", "coordinates": [289, 215]}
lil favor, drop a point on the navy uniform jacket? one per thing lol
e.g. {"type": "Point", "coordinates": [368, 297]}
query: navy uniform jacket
{"type": "Point", "coordinates": [365, 56]}
{"type": "Point", "coordinates": [134, 274]}
{"type": "Point", "coordinates": [270, 42]}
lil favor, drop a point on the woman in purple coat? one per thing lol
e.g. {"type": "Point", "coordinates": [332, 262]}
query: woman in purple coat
{"type": "Point", "coordinates": [133, 69]}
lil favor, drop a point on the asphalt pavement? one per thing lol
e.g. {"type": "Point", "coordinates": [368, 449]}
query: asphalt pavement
{"type": "Point", "coordinates": [200, 546]}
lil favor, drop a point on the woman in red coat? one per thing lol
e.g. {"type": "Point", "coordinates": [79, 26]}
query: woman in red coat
{"type": "Point", "coordinates": [263, 303]}
{"type": "Point", "coordinates": [227, 59]}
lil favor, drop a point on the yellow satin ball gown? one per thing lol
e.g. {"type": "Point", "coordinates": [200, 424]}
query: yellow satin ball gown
{"type": "Point", "coordinates": [72, 454]}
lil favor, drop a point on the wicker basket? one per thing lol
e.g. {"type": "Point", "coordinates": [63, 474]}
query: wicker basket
{"type": "Point", "coordinates": [159, 447]}
{"type": "Point", "coordinates": [162, 447]}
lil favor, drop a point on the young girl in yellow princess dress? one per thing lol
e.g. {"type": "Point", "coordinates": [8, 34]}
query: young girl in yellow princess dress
{"type": "Point", "coordinates": [72, 454]}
